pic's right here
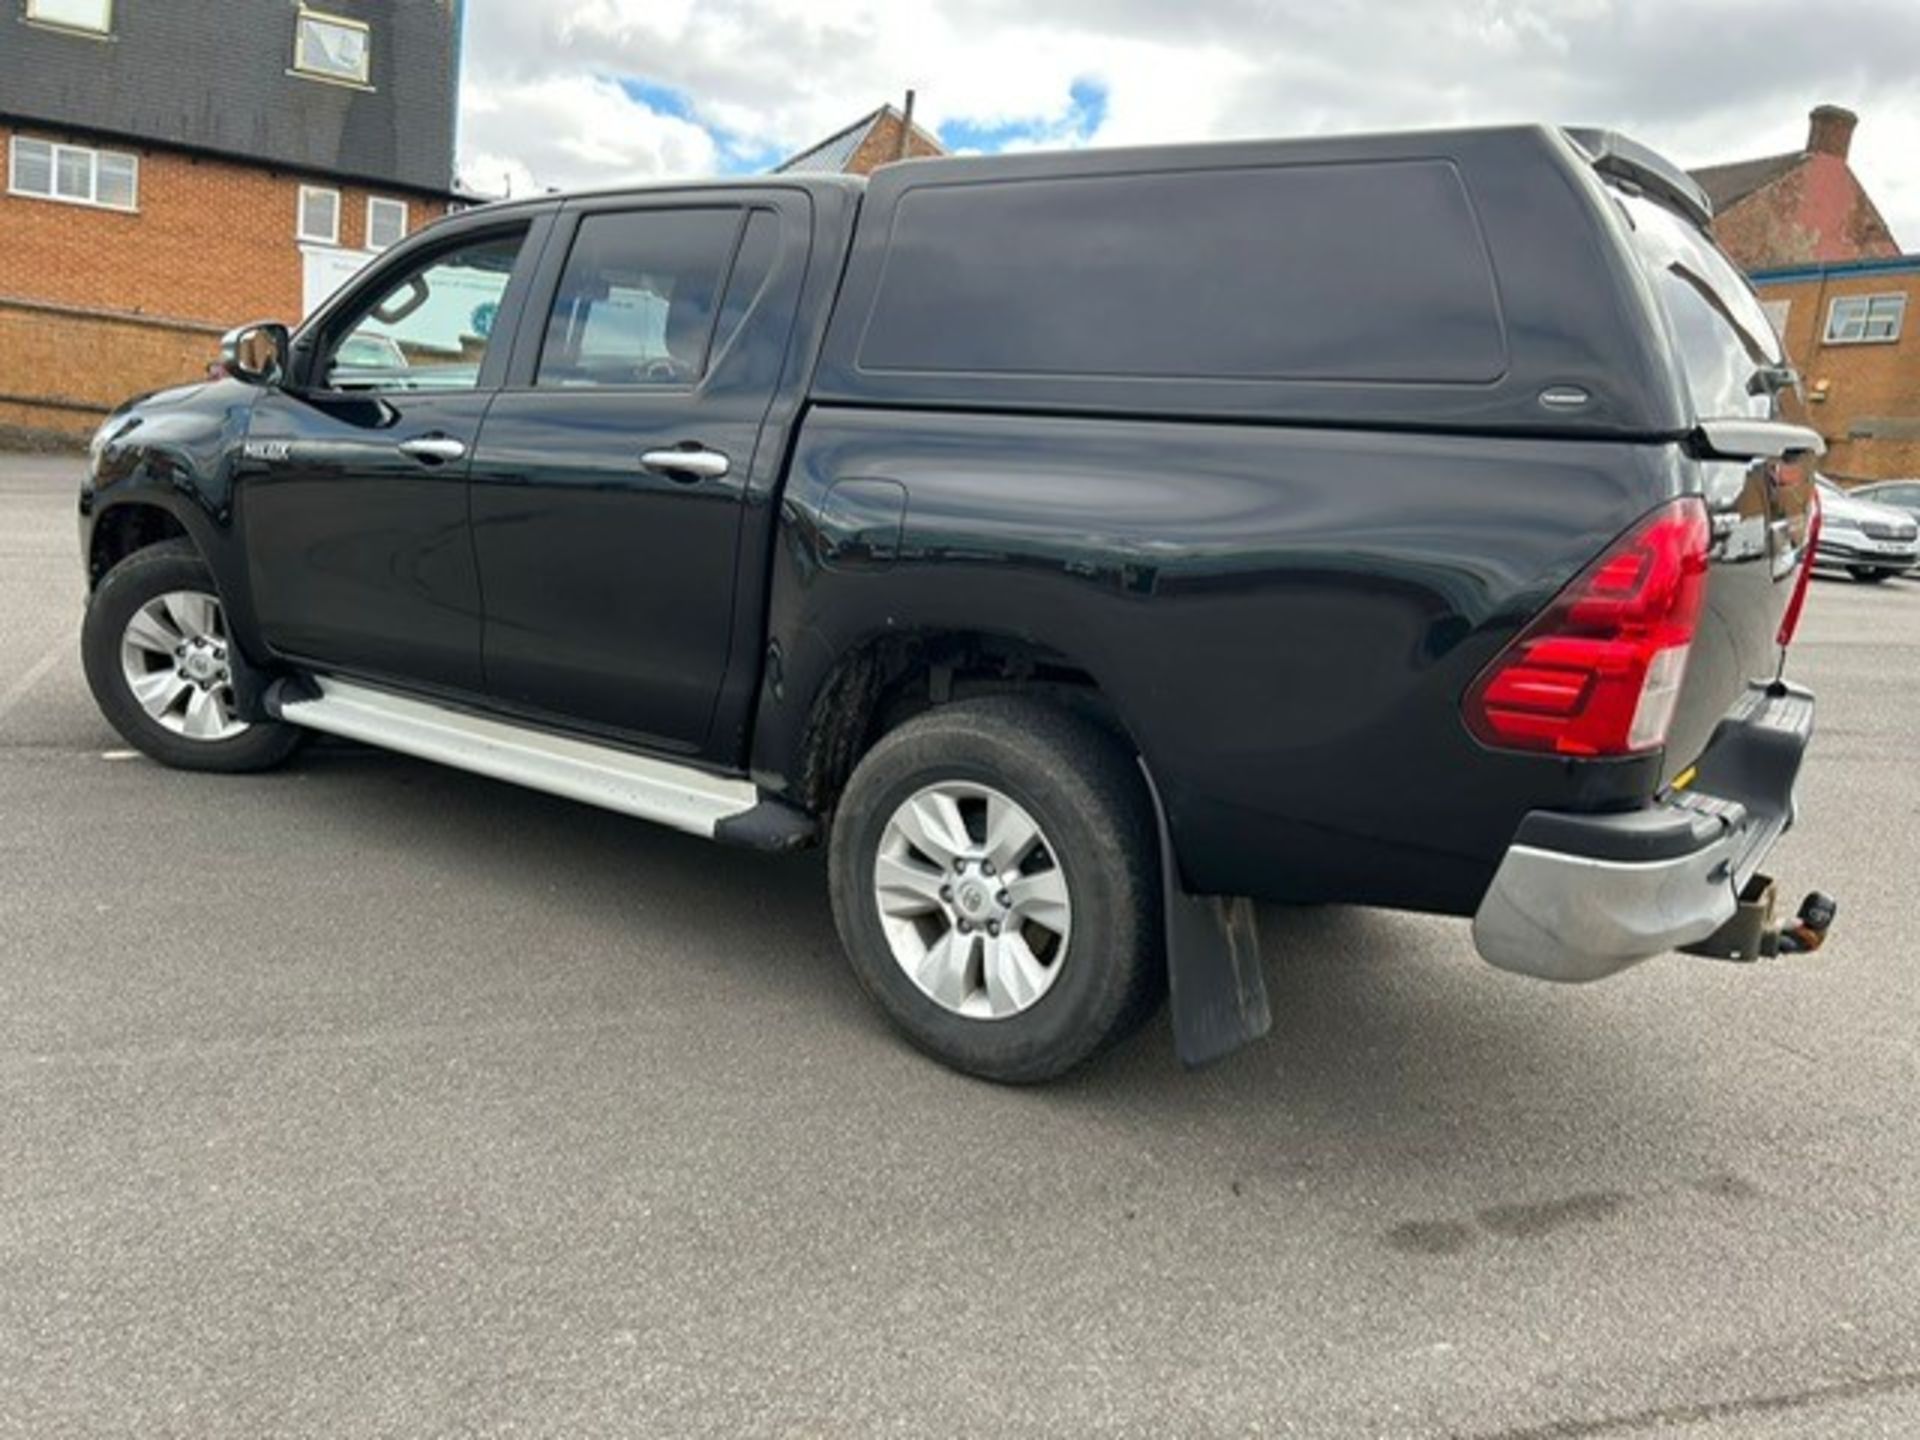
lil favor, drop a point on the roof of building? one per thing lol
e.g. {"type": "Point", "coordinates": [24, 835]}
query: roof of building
{"type": "Point", "coordinates": [216, 77]}
{"type": "Point", "coordinates": [1728, 185]}
{"type": "Point", "coordinates": [832, 153]}
{"type": "Point", "coordinates": [830, 156]}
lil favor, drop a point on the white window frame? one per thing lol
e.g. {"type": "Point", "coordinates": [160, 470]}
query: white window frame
{"type": "Point", "coordinates": [55, 149]}
{"type": "Point", "coordinates": [105, 27]}
{"type": "Point", "coordinates": [1898, 299]}
{"type": "Point", "coordinates": [300, 231]}
{"type": "Point", "coordinates": [373, 202]}
{"type": "Point", "coordinates": [364, 80]}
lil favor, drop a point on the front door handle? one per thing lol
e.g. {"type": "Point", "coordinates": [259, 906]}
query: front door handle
{"type": "Point", "coordinates": [433, 449]}
{"type": "Point", "coordinates": [687, 465]}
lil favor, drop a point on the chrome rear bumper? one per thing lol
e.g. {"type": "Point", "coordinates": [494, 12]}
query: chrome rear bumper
{"type": "Point", "coordinates": [1581, 897]}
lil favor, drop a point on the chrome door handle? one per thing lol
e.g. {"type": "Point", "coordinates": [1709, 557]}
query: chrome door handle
{"type": "Point", "coordinates": [433, 449]}
{"type": "Point", "coordinates": [690, 464]}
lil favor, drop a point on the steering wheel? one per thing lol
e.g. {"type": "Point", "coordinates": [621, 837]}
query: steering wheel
{"type": "Point", "coordinates": [664, 368]}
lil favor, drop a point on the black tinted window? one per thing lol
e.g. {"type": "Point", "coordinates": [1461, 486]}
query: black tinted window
{"type": "Point", "coordinates": [1347, 271]}
{"type": "Point", "coordinates": [751, 267]}
{"type": "Point", "coordinates": [636, 301]}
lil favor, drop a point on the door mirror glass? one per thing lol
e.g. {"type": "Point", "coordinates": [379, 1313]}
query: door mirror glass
{"type": "Point", "coordinates": [255, 353]}
{"type": "Point", "coordinates": [427, 328]}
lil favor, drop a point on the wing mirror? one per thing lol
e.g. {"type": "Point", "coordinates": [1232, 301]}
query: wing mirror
{"type": "Point", "coordinates": [255, 353]}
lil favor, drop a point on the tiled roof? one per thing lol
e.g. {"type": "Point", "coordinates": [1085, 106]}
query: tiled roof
{"type": "Point", "coordinates": [1728, 185]}
{"type": "Point", "coordinates": [831, 154]}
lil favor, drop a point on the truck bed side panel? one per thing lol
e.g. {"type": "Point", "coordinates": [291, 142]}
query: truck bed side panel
{"type": "Point", "coordinates": [1285, 619]}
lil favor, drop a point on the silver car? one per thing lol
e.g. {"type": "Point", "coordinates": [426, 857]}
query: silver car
{"type": "Point", "coordinates": [1870, 542]}
{"type": "Point", "coordinates": [1898, 494]}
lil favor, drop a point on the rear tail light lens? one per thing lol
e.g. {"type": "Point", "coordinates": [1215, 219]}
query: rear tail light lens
{"type": "Point", "coordinates": [1599, 671]}
{"type": "Point", "coordinates": [1790, 621]}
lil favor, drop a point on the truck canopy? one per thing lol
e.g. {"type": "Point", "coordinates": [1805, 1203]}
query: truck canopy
{"type": "Point", "coordinates": [1398, 281]}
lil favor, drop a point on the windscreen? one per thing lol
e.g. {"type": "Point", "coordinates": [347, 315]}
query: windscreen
{"type": "Point", "coordinates": [1728, 348]}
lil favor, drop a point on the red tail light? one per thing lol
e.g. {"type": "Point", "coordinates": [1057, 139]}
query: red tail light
{"type": "Point", "coordinates": [1599, 671]}
{"type": "Point", "coordinates": [1790, 621]}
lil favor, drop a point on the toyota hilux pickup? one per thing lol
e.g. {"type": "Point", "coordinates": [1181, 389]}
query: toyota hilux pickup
{"type": "Point", "coordinates": [1079, 546]}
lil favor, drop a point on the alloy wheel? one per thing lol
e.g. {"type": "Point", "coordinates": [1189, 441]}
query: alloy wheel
{"type": "Point", "coordinates": [973, 900]}
{"type": "Point", "coordinates": [173, 655]}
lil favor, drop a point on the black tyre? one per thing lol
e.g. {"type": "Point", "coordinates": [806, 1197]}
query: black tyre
{"type": "Point", "coordinates": [995, 881]}
{"type": "Point", "coordinates": [154, 644]}
{"type": "Point", "coordinates": [1867, 575]}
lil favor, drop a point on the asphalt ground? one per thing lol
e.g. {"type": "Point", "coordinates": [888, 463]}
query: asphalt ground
{"type": "Point", "coordinates": [367, 1098]}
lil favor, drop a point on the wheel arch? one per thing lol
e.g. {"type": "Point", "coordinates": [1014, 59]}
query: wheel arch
{"type": "Point", "coordinates": [130, 525]}
{"type": "Point", "coordinates": [890, 676]}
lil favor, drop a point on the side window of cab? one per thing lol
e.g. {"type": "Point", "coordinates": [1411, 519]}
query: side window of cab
{"type": "Point", "coordinates": [636, 302]}
{"type": "Point", "coordinates": [427, 328]}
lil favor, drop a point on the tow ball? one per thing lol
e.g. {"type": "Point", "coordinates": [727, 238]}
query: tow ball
{"type": "Point", "coordinates": [1752, 934]}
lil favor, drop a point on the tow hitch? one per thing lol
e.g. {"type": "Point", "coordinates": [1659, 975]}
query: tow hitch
{"type": "Point", "coordinates": [1752, 934]}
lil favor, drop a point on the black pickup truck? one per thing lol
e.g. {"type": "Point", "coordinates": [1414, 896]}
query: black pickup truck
{"type": "Point", "coordinates": [1078, 544]}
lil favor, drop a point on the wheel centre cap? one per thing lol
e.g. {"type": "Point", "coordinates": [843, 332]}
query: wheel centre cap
{"type": "Point", "coordinates": [200, 664]}
{"type": "Point", "coordinates": [974, 898]}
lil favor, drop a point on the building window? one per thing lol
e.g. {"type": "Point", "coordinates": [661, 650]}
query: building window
{"type": "Point", "coordinates": [73, 173]}
{"type": "Point", "coordinates": [330, 47]}
{"type": "Point", "coordinates": [319, 215]}
{"type": "Point", "coordinates": [95, 16]}
{"type": "Point", "coordinates": [1860, 319]}
{"type": "Point", "coordinates": [386, 222]}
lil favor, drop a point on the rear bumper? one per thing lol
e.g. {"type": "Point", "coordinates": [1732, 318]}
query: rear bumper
{"type": "Point", "coordinates": [1580, 897]}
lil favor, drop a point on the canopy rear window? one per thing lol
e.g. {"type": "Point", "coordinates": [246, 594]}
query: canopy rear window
{"type": "Point", "coordinates": [1719, 327]}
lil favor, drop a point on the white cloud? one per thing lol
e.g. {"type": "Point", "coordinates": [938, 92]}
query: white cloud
{"type": "Point", "coordinates": [571, 129]}
{"type": "Point", "coordinates": [1704, 80]}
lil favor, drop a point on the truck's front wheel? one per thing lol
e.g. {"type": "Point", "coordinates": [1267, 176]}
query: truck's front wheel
{"type": "Point", "coordinates": [155, 648]}
{"type": "Point", "coordinates": [995, 883]}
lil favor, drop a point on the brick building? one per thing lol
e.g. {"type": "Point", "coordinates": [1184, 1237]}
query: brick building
{"type": "Point", "coordinates": [1839, 291]}
{"type": "Point", "coordinates": [1849, 328]}
{"type": "Point", "coordinates": [868, 143]}
{"type": "Point", "coordinates": [1804, 207]}
{"type": "Point", "coordinates": [175, 169]}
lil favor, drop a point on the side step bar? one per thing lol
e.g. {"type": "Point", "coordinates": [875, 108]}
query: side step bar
{"type": "Point", "coordinates": [680, 796]}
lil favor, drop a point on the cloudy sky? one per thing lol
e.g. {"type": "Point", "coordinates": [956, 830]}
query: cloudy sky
{"type": "Point", "coordinates": [568, 92]}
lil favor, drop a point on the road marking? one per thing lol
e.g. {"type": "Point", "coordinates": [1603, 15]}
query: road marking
{"type": "Point", "coordinates": [119, 754]}
{"type": "Point", "coordinates": [17, 691]}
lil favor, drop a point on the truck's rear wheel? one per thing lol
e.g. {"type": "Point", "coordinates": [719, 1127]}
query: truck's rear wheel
{"type": "Point", "coordinates": [1868, 575]}
{"type": "Point", "coordinates": [155, 647]}
{"type": "Point", "coordinates": [994, 880]}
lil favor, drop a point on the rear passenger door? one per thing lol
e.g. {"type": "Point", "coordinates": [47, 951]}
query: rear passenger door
{"type": "Point", "coordinates": [609, 479]}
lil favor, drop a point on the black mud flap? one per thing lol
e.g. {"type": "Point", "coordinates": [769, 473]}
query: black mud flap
{"type": "Point", "coordinates": [250, 686]}
{"type": "Point", "coordinates": [1216, 989]}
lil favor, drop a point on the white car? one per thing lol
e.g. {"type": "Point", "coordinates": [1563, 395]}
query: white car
{"type": "Point", "coordinates": [1870, 542]}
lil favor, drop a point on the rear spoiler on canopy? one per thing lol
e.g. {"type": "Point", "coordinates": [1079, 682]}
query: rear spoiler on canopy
{"type": "Point", "coordinates": [1614, 154]}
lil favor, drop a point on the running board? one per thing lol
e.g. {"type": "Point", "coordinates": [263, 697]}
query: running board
{"type": "Point", "coordinates": [658, 790]}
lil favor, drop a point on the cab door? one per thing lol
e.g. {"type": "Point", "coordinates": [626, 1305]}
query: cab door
{"type": "Point", "coordinates": [352, 479]}
{"type": "Point", "coordinates": [612, 471]}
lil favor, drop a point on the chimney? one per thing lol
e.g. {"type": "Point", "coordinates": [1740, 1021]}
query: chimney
{"type": "Point", "coordinates": [906, 129]}
{"type": "Point", "coordinates": [1830, 130]}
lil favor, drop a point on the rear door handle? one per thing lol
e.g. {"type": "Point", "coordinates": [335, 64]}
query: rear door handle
{"type": "Point", "coordinates": [433, 449]}
{"type": "Point", "coordinates": [687, 465]}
